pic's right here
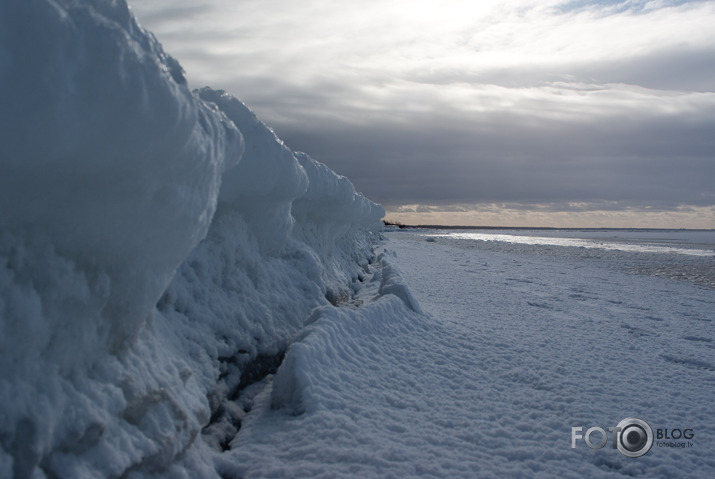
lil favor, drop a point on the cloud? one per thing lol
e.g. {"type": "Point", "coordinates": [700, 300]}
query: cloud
{"type": "Point", "coordinates": [665, 155]}
{"type": "Point", "coordinates": [464, 102]}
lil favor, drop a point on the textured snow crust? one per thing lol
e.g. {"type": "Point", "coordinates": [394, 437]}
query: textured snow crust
{"type": "Point", "coordinates": [516, 345]}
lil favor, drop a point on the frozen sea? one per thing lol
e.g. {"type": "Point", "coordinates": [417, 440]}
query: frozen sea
{"type": "Point", "coordinates": [519, 337]}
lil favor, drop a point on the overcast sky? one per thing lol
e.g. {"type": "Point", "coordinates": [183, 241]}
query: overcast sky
{"type": "Point", "coordinates": [541, 113]}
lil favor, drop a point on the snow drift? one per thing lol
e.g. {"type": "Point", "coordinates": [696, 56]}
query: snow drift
{"type": "Point", "coordinates": [157, 246]}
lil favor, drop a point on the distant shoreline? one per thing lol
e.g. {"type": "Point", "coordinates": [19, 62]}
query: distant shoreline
{"type": "Point", "coordinates": [539, 228]}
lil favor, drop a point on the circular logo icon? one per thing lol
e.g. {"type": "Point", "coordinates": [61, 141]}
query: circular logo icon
{"type": "Point", "coordinates": [634, 437]}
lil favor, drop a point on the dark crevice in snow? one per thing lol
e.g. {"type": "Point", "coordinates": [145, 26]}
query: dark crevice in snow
{"type": "Point", "coordinates": [348, 296]}
{"type": "Point", "coordinates": [226, 417]}
{"type": "Point", "coordinates": [336, 298]}
{"type": "Point", "coordinates": [255, 373]}
{"type": "Point", "coordinates": [257, 369]}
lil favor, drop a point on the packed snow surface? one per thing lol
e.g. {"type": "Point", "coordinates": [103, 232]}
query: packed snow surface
{"type": "Point", "coordinates": [515, 345]}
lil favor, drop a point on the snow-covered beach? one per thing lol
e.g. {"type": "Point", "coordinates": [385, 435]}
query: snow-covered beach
{"type": "Point", "coordinates": [184, 296]}
{"type": "Point", "coordinates": [516, 346]}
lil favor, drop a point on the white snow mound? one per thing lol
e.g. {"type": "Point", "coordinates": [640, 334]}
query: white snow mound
{"type": "Point", "coordinates": [155, 244]}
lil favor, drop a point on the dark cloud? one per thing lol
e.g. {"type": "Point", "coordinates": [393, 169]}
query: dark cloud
{"type": "Point", "coordinates": [678, 67]}
{"type": "Point", "coordinates": [609, 7]}
{"type": "Point", "coordinates": [652, 161]}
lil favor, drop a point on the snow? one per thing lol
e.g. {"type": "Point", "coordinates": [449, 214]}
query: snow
{"type": "Point", "coordinates": [181, 295]}
{"type": "Point", "coordinates": [125, 181]}
{"type": "Point", "coordinates": [514, 348]}
{"type": "Point", "coordinates": [149, 252]}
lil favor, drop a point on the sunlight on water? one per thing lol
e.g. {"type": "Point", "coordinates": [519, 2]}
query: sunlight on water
{"type": "Point", "coordinates": [633, 244]}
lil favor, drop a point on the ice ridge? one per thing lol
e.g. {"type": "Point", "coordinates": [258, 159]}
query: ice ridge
{"type": "Point", "coordinates": [153, 242]}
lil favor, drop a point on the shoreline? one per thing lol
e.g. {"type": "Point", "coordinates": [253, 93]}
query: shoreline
{"type": "Point", "coordinates": [541, 228]}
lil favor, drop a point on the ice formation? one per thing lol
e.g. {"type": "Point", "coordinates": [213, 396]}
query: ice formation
{"type": "Point", "coordinates": [157, 245]}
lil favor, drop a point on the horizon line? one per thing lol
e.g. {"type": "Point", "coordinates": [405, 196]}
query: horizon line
{"type": "Point", "coordinates": [568, 228]}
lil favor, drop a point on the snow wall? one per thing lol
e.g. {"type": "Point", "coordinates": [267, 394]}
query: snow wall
{"type": "Point", "coordinates": [158, 248]}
